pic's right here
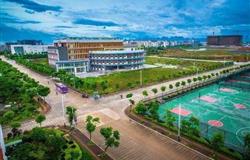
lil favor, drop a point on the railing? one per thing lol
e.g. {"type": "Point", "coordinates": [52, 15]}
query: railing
{"type": "Point", "coordinates": [194, 85]}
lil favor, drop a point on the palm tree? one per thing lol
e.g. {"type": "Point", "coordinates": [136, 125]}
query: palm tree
{"type": "Point", "coordinates": [91, 124]}
{"type": "Point", "coordinates": [111, 137]}
{"type": "Point", "coordinates": [71, 112]}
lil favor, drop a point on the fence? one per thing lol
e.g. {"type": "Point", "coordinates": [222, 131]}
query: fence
{"type": "Point", "coordinates": [231, 139]}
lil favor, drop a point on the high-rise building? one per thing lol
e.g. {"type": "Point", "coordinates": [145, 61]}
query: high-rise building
{"type": "Point", "coordinates": [224, 40]}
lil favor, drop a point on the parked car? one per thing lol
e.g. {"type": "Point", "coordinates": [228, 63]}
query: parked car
{"type": "Point", "coordinates": [84, 95]}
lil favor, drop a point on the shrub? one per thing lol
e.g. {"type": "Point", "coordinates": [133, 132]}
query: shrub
{"type": "Point", "coordinates": [154, 90]}
{"type": "Point", "coordinates": [140, 108]}
{"type": "Point", "coordinates": [145, 93]}
{"type": "Point", "coordinates": [129, 95]}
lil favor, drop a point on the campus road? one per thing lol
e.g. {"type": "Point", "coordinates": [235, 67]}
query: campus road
{"type": "Point", "coordinates": [137, 141]}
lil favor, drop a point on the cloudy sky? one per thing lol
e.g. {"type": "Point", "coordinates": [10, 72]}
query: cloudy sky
{"type": "Point", "coordinates": [49, 19]}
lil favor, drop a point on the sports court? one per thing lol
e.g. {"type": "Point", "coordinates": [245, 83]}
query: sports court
{"type": "Point", "coordinates": [223, 107]}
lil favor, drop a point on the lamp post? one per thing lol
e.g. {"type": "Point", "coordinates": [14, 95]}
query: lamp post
{"type": "Point", "coordinates": [63, 109]}
{"type": "Point", "coordinates": [141, 77]}
{"type": "Point", "coordinates": [179, 123]}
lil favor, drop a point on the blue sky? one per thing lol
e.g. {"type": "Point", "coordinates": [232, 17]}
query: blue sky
{"type": "Point", "coordinates": [50, 19]}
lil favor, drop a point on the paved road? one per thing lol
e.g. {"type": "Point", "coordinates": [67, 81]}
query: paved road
{"type": "Point", "coordinates": [137, 142]}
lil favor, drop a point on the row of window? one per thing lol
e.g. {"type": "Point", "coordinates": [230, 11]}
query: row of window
{"type": "Point", "coordinates": [103, 44]}
{"type": "Point", "coordinates": [115, 63]}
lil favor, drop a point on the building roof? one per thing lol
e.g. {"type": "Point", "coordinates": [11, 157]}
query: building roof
{"type": "Point", "coordinates": [116, 52]}
{"type": "Point", "coordinates": [86, 40]}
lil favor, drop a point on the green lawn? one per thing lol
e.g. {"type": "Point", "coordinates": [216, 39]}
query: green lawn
{"type": "Point", "coordinates": [131, 79]}
{"type": "Point", "coordinates": [212, 54]}
{"type": "Point", "coordinates": [43, 61]}
{"type": "Point", "coordinates": [125, 80]}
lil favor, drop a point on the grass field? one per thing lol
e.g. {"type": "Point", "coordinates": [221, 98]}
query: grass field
{"type": "Point", "coordinates": [118, 81]}
{"type": "Point", "coordinates": [131, 79]}
{"type": "Point", "coordinates": [212, 54]}
{"type": "Point", "coordinates": [43, 61]}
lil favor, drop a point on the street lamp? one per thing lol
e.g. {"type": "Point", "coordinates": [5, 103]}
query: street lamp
{"type": "Point", "coordinates": [141, 76]}
{"type": "Point", "coordinates": [179, 123]}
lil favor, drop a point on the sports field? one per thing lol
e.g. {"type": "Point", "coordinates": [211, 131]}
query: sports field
{"type": "Point", "coordinates": [223, 107]}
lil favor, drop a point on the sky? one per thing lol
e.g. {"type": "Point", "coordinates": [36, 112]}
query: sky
{"type": "Point", "coordinates": [126, 19]}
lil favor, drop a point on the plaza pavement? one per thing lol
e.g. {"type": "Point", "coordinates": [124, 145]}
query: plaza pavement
{"type": "Point", "coordinates": [137, 141]}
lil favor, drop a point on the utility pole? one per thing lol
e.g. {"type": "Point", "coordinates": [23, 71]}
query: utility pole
{"type": "Point", "coordinates": [141, 76]}
{"type": "Point", "coordinates": [63, 109]}
{"type": "Point", "coordinates": [179, 123]}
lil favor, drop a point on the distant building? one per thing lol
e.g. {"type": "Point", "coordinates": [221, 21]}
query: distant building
{"type": "Point", "coordinates": [30, 42]}
{"type": "Point", "coordinates": [25, 46]}
{"type": "Point", "coordinates": [84, 55]}
{"type": "Point", "coordinates": [28, 49]}
{"type": "Point", "coordinates": [225, 40]}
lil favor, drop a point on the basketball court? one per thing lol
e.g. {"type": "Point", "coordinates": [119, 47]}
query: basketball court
{"type": "Point", "coordinates": [219, 107]}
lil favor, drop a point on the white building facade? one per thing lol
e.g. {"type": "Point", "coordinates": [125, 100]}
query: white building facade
{"type": "Point", "coordinates": [22, 49]}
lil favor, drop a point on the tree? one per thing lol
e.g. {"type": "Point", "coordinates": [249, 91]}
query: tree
{"type": "Point", "coordinates": [111, 137]}
{"type": "Point", "coordinates": [217, 141]}
{"type": "Point", "coordinates": [129, 95]}
{"type": "Point", "coordinates": [39, 119]}
{"type": "Point", "coordinates": [247, 145]}
{"type": "Point", "coordinates": [153, 110]}
{"type": "Point", "coordinates": [132, 102]}
{"type": "Point", "coordinates": [195, 79]}
{"type": "Point", "coordinates": [189, 81]}
{"type": "Point", "coordinates": [140, 108]}
{"type": "Point", "coordinates": [43, 91]}
{"type": "Point", "coordinates": [170, 119]}
{"type": "Point", "coordinates": [200, 78]}
{"type": "Point", "coordinates": [154, 90]}
{"type": "Point", "coordinates": [91, 124]}
{"type": "Point", "coordinates": [145, 93]}
{"type": "Point", "coordinates": [171, 86]}
{"type": "Point", "coordinates": [8, 116]}
{"type": "Point", "coordinates": [195, 126]}
{"type": "Point", "coordinates": [163, 88]}
{"type": "Point", "coordinates": [177, 84]}
{"type": "Point", "coordinates": [14, 131]}
{"type": "Point", "coordinates": [71, 112]}
{"type": "Point", "coordinates": [183, 83]}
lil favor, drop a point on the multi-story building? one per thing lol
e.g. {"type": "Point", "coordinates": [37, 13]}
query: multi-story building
{"type": "Point", "coordinates": [79, 49]}
{"type": "Point", "coordinates": [78, 56]}
{"type": "Point", "coordinates": [28, 49]}
{"type": "Point", "coordinates": [225, 40]}
{"type": "Point", "coordinates": [110, 60]}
